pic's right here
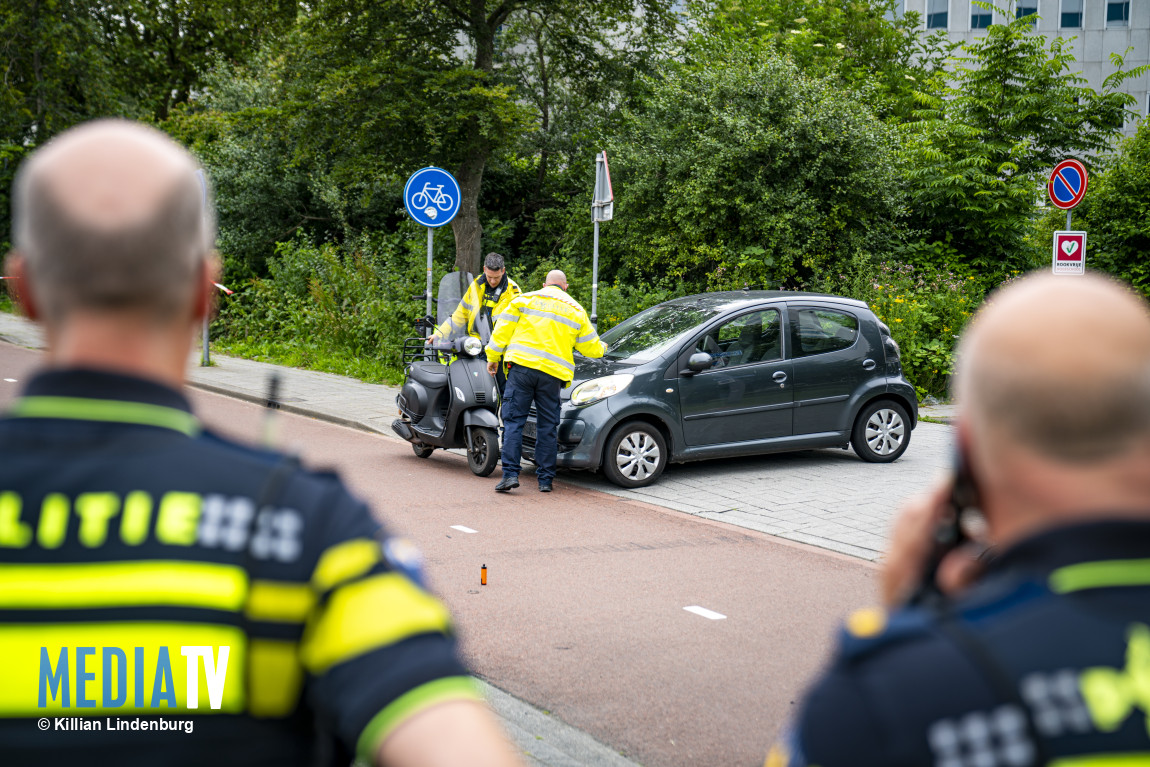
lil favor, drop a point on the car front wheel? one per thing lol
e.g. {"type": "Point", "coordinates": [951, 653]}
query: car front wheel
{"type": "Point", "coordinates": [881, 432]}
{"type": "Point", "coordinates": [636, 455]}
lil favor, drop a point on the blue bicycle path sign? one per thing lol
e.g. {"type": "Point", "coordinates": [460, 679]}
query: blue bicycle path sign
{"type": "Point", "coordinates": [431, 197]}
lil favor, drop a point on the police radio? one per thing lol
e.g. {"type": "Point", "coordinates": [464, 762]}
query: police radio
{"type": "Point", "coordinates": [962, 521]}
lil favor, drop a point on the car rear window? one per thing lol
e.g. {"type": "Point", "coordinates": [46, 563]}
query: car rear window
{"type": "Point", "coordinates": [820, 331]}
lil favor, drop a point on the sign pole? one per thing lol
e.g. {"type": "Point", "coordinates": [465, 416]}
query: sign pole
{"type": "Point", "coordinates": [602, 209]}
{"type": "Point", "coordinates": [595, 279]}
{"type": "Point", "coordinates": [1068, 212]}
{"type": "Point", "coordinates": [430, 248]}
{"type": "Point", "coordinates": [206, 360]}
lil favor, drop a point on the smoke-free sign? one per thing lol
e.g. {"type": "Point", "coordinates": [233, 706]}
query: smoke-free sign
{"type": "Point", "coordinates": [1069, 253]}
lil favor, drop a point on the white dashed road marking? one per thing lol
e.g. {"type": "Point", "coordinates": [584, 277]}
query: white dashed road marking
{"type": "Point", "coordinates": [463, 529]}
{"type": "Point", "coordinates": [705, 613]}
{"type": "Point", "coordinates": [10, 380]}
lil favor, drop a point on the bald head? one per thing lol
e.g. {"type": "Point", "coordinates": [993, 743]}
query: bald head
{"type": "Point", "coordinates": [556, 277]}
{"type": "Point", "coordinates": [108, 216]}
{"type": "Point", "coordinates": [1059, 367]}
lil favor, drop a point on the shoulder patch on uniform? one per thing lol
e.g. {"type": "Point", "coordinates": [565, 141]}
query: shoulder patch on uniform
{"type": "Point", "coordinates": [867, 622]}
{"type": "Point", "coordinates": [872, 628]}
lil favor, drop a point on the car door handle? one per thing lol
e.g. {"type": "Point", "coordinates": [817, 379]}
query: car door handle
{"type": "Point", "coordinates": [780, 376]}
{"type": "Point", "coordinates": [868, 364]}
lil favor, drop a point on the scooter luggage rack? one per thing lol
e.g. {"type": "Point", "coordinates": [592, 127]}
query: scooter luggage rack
{"type": "Point", "coordinates": [415, 350]}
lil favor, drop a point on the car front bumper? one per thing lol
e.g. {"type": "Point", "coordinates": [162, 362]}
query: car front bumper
{"type": "Point", "coordinates": [582, 431]}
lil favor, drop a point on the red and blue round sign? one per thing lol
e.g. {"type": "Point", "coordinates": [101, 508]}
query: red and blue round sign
{"type": "Point", "coordinates": [1067, 184]}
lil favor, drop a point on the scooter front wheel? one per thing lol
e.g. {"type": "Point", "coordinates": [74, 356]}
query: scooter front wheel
{"type": "Point", "coordinates": [484, 452]}
{"type": "Point", "coordinates": [423, 451]}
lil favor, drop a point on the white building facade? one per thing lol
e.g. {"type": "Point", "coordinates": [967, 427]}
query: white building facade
{"type": "Point", "coordinates": [1100, 28]}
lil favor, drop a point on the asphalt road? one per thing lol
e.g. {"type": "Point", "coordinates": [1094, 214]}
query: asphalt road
{"type": "Point", "coordinates": [583, 614]}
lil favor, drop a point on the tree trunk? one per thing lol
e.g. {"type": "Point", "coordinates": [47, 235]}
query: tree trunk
{"type": "Point", "coordinates": [468, 231]}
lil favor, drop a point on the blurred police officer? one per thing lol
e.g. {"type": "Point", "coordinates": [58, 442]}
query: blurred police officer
{"type": "Point", "coordinates": [481, 307]}
{"type": "Point", "coordinates": [536, 336]}
{"type": "Point", "coordinates": [129, 533]}
{"type": "Point", "coordinates": [1039, 654]}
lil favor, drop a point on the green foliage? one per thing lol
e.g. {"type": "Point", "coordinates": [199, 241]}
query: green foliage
{"type": "Point", "coordinates": [926, 311]}
{"type": "Point", "coordinates": [345, 310]}
{"type": "Point", "coordinates": [977, 149]}
{"type": "Point", "coordinates": [1116, 214]}
{"type": "Point", "coordinates": [856, 41]}
{"type": "Point", "coordinates": [750, 172]}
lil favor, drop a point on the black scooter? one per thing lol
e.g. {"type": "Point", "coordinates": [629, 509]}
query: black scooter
{"type": "Point", "coordinates": [449, 405]}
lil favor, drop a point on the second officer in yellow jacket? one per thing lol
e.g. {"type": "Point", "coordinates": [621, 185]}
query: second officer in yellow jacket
{"type": "Point", "coordinates": [483, 304]}
{"type": "Point", "coordinates": [536, 336]}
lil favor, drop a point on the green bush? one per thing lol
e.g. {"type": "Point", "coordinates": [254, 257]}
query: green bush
{"type": "Point", "coordinates": [925, 311]}
{"type": "Point", "coordinates": [338, 309]}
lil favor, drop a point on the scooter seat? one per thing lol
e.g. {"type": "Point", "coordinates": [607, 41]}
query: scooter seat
{"type": "Point", "coordinates": [430, 374]}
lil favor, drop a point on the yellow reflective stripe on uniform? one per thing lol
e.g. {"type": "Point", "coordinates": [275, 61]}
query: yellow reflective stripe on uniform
{"type": "Point", "coordinates": [374, 612]}
{"type": "Point", "coordinates": [1133, 759]}
{"type": "Point", "coordinates": [542, 355]}
{"type": "Point", "coordinates": [407, 705]}
{"type": "Point", "coordinates": [80, 409]}
{"type": "Point", "coordinates": [1097, 575]}
{"type": "Point", "coordinates": [123, 584]}
{"type": "Point", "coordinates": [20, 647]}
{"type": "Point", "coordinates": [345, 561]}
{"type": "Point", "coordinates": [276, 677]}
{"type": "Point", "coordinates": [550, 316]}
{"type": "Point", "coordinates": [280, 602]}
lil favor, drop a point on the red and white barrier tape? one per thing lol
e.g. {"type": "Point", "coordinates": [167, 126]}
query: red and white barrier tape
{"type": "Point", "coordinates": [221, 287]}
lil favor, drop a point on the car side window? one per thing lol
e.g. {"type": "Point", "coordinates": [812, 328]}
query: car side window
{"type": "Point", "coordinates": [745, 340]}
{"type": "Point", "coordinates": [819, 331]}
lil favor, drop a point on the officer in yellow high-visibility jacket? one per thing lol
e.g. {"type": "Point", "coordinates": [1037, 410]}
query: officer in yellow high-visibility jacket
{"type": "Point", "coordinates": [488, 297]}
{"type": "Point", "coordinates": [536, 337]}
{"type": "Point", "coordinates": [482, 305]}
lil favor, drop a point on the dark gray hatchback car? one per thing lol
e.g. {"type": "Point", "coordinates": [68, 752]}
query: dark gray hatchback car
{"type": "Point", "coordinates": [731, 374]}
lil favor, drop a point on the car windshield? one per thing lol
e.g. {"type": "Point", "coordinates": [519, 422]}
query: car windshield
{"type": "Point", "coordinates": [650, 333]}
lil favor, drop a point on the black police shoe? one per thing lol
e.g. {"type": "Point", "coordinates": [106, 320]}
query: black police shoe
{"type": "Point", "coordinates": [545, 487]}
{"type": "Point", "coordinates": [509, 482]}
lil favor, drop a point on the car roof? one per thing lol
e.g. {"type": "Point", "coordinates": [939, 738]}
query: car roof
{"type": "Point", "coordinates": [728, 299]}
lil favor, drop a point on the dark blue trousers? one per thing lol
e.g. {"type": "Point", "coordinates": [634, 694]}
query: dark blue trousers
{"type": "Point", "coordinates": [524, 386]}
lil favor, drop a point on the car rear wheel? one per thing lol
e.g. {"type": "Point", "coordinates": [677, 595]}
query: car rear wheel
{"type": "Point", "coordinates": [484, 452]}
{"type": "Point", "coordinates": [636, 455]}
{"type": "Point", "coordinates": [881, 432]}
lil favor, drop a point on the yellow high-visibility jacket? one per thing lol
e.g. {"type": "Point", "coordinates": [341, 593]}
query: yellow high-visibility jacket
{"type": "Point", "coordinates": [539, 330]}
{"type": "Point", "coordinates": [479, 295]}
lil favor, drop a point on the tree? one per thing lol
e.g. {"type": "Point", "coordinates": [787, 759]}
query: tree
{"type": "Point", "coordinates": [977, 149]}
{"type": "Point", "coordinates": [751, 173]}
{"type": "Point", "coordinates": [380, 88]}
{"type": "Point", "coordinates": [1116, 213]}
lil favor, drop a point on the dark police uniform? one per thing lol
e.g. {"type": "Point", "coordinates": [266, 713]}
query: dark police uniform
{"type": "Point", "coordinates": [1046, 661]}
{"type": "Point", "coordinates": [127, 532]}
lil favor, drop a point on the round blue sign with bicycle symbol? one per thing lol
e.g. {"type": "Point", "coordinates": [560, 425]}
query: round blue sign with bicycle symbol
{"type": "Point", "coordinates": [431, 197]}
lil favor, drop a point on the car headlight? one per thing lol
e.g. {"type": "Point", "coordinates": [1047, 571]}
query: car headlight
{"type": "Point", "coordinates": [472, 346]}
{"type": "Point", "coordinates": [599, 388]}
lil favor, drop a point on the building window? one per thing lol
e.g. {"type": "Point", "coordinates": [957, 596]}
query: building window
{"type": "Point", "coordinates": [980, 18]}
{"type": "Point", "coordinates": [1118, 13]}
{"type": "Point", "coordinates": [1071, 14]}
{"type": "Point", "coordinates": [1025, 8]}
{"type": "Point", "coordinates": [936, 12]}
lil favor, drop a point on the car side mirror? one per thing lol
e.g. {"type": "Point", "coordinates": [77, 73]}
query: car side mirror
{"type": "Point", "coordinates": [697, 363]}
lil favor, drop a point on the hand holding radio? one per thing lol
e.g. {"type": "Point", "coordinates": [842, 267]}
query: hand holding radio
{"type": "Point", "coordinates": [938, 545]}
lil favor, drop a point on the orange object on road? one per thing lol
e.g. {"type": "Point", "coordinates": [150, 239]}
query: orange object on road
{"type": "Point", "coordinates": [483, 576]}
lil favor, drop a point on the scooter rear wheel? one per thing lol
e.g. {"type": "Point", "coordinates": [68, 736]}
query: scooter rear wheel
{"type": "Point", "coordinates": [423, 451]}
{"type": "Point", "coordinates": [484, 452]}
